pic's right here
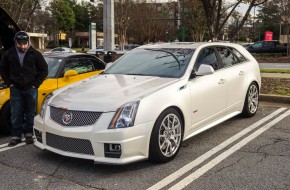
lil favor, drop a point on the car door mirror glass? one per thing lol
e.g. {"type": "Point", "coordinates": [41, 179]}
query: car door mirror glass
{"type": "Point", "coordinates": [204, 70]}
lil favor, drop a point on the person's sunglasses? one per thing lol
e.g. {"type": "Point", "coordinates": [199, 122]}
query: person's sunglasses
{"type": "Point", "coordinates": [21, 37]}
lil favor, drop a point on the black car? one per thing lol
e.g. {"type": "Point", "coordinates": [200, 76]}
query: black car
{"type": "Point", "coordinates": [8, 29]}
{"type": "Point", "coordinates": [269, 46]}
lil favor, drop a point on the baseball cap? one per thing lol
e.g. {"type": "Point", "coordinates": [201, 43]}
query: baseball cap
{"type": "Point", "coordinates": [22, 37]}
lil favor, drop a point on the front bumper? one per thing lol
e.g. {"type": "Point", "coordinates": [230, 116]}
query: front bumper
{"type": "Point", "coordinates": [94, 142]}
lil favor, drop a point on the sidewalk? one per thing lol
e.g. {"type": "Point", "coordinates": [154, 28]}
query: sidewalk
{"type": "Point", "coordinates": [276, 75]}
{"type": "Point", "coordinates": [275, 98]}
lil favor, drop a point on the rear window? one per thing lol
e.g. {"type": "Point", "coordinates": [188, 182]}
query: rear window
{"type": "Point", "coordinates": [53, 66]}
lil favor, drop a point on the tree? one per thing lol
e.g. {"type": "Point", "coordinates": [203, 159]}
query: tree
{"type": "Point", "coordinates": [22, 11]}
{"type": "Point", "coordinates": [270, 18]}
{"type": "Point", "coordinates": [152, 22]}
{"type": "Point", "coordinates": [96, 15]}
{"type": "Point", "coordinates": [193, 19]}
{"type": "Point", "coordinates": [63, 14]}
{"type": "Point", "coordinates": [284, 13]}
{"type": "Point", "coordinates": [124, 10]}
{"type": "Point", "coordinates": [218, 12]}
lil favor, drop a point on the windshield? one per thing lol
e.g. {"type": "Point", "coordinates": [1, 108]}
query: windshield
{"type": "Point", "coordinates": [53, 65]}
{"type": "Point", "coordinates": [153, 62]}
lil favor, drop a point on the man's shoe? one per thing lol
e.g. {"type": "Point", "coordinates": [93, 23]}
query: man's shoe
{"type": "Point", "coordinates": [29, 140]}
{"type": "Point", "coordinates": [14, 142]}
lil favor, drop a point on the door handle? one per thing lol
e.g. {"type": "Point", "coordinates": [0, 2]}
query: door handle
{"type": "Point", "coordinates": [241, 73]}
{"type": "Point", "coordinates": [222, 81]}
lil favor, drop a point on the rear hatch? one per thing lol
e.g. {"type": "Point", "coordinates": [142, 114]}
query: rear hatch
{"type": "Point", "coordinates": [8, 28]}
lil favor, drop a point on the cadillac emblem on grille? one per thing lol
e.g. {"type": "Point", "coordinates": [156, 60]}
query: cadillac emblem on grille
{"type": "Point", "coordinates": [73, 118]}
{"type": "Point", "coordinates": [67, 117]}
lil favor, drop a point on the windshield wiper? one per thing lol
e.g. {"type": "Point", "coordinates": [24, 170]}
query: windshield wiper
{"type": "Point", "coordinates": [134, 74]}
{"type": "Point", "coordinates": [151, 49]}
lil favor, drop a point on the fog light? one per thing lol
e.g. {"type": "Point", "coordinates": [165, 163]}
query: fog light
{"type": "Point", "coordinates": [112, 150]}
{"type": "Point", "coordinates": [38, 135]}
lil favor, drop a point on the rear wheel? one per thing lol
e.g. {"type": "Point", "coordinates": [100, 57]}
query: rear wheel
{"type": "Point", "coordinates": [166, 136]}
{"type": "Point", "coordinates": [5, 118]}
{"type": "Point", "coordinates": [251, 101]}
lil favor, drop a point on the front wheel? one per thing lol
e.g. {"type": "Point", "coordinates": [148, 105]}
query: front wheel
{"type": "Point", "coordinates": [251, 101]}
{"type": "Point", "coordinates": [166, 136]}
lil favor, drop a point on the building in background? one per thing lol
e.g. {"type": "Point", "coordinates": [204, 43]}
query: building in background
{"type": "Point", "coordinates": [37, 40]}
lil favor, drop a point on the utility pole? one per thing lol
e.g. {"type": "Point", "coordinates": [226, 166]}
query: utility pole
{"type": "Point", "coordinates": [108, 25]}
{"type": "Point", "coordinates": [182, 16]}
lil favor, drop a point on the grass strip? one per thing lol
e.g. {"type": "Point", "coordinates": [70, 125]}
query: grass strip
{"type": "Point", "coordinates": [275, 70]}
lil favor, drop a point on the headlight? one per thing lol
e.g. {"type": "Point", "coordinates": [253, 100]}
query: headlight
{"type": "Point", "coordinates": [44, 105]}
{"type": "Point", "coordinates": [125, 116]}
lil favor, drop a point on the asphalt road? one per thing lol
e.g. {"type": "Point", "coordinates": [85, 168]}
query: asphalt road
{"type": "Point", "coordinates": [274, 65]}
{"type": "Point", "coordinates": [242, 153]}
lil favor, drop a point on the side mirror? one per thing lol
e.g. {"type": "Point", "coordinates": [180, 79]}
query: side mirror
{"type": "Point", "coordinates": [204, 70]}
{"type": "Point", "coordinates": [70, 73]}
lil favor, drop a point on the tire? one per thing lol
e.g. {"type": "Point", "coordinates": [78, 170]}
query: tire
{"type": "Point", "coordinates": [251, 101]}
{"type": "Point", "coordinates": [166, 136]}
{"type": "Point", "coordinates": [5, 118]}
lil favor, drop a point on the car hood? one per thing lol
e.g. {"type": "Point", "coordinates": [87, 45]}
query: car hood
{"type": "Point", "coordinates": [106, 93]}
{"type": "Point", "coordinates": [8, 28]}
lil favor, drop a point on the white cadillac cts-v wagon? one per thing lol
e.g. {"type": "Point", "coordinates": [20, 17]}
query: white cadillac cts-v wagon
{"type": "Point", "coordinates": [149, 101]}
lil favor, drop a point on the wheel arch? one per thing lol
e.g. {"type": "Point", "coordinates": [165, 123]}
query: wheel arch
{"type": "Point", "coordinates": [154, 154]}
{"type": "Point", "coordinates": [180, 113]}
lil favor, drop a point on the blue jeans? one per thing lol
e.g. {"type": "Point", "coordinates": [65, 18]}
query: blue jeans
{"type": "Point", "coordinates": [23, 108]}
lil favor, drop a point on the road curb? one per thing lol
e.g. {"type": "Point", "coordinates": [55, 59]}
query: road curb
{"type": "Point", "coordinates": [274, 98]}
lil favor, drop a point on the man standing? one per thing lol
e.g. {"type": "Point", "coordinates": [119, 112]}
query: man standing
{"type": "Point", "coordinates": [23, 69]}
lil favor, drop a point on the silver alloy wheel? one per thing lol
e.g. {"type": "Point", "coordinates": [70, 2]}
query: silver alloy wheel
{"type": "Point", "coordinates": [253, 98]}
{"type": "Point", "coordinates": [170, 135]}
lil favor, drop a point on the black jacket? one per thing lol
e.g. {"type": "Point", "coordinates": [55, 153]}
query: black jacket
{"type": "Point", "coordinates": [32, 73]}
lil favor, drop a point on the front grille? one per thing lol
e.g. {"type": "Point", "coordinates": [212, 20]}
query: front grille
{"type": "Point", "coordinates": [78, 118]}
{"type": "Point", "coordinates": [75, 145]}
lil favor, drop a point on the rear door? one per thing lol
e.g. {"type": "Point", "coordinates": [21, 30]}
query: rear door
{"type": "Point", "coordinates": [234, 65]}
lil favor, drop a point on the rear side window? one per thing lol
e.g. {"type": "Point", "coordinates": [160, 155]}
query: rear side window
{"type": "Point", "coordinates": [81, 65]}
{"type": "Point", "coordinates": [239, 55]}
{"type": "Point", "coordinates": [207, 56]}
{"type": "Point", "coordinates": [257, 45]}
{"type": "Point", "coordinates": [227, 57]}
{"type": "Point", "coordinates": [99, 65]}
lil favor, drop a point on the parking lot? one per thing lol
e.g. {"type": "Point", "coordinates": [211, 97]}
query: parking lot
{"type": "Point", "coordinates": [240, 153]}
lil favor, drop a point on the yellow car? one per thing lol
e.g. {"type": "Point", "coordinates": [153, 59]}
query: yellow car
{"type": "Point", "coordinates": [63, 69]}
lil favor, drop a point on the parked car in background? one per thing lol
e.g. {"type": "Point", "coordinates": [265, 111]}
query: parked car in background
{"type": "Point", "coordinates": [270, 46]}
{"type": "Point", "coordinates": [129, 47]}
{"type": "Point", "coordinates": [63, 69]}
{"type": "Point", "coordinates": [100, 48]}
{"type": "Point", "coordinates": [149, 101]}
{"type": "Point", "coordinates": [246, 45]}
{"type": "Point", "coordinates": [60, 50]}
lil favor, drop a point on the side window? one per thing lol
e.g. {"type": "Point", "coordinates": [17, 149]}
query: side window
{"type": "Point", "coordinates": [227, 58]}
{"type": "Point", "coordinates": [56, 49]}
{"type": "Point", "coordinates": [270, 44]}
{"type": "Point", "coordinates": [239, 55]}
{"type": "Point", "coordinates": [257, 45]}
{"type": "Point", "coordinates": [81, 65]}
{"type": "Point", "coordinates": [99, 65]}
{"type": "Point", "coordinates": [206, 56]}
